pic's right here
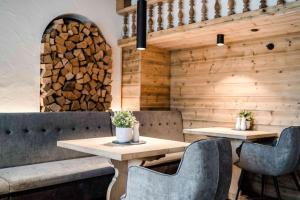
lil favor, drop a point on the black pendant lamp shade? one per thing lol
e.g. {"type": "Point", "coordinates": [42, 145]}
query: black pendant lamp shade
{"type": "Point", "coordinates": [141, 35]}
{"type": "Point", "coordinates": [220, 39]}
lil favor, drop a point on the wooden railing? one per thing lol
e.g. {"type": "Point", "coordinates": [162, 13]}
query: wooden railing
{"type": "Point", "coordinates": [156, 23]}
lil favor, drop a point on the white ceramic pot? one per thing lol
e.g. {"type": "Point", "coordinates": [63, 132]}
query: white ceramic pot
{"type": "Point", "coordinates": [243, 124]}
{"type": "Point", "coordinates": [124, 134]}
{"type": "Point", "coordinates": [238, 123]}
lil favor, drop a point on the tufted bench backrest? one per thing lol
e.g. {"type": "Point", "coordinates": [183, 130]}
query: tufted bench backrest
{"type": "Point", "coordinates": [28, 138]}
{"type": "Point", "coordinates": [160, 124]}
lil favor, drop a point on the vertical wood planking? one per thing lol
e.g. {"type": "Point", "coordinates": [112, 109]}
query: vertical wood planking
{"type": "Point", "coordinates": [159, 17]}
{"type": "Point", "coordinates": [192, 12]}
{"type": "Point", "coordinates": [170, 14]}
{"type": "Point", "coordinates": [125, 26]}
{"type": "Point", "coordinates": [150, 20]}
{"type": "Point", "coordinates": [133, 23]}
{"type": "Point", "coordinates": [231, 6]}
{"type": "Point", "coordinates": [180, 12]}
{"type": "Point", "coordinates": [204, 10]}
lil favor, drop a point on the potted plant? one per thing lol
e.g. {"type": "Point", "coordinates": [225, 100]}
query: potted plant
{"type": "Point", "coordinates": [124, 122]}
{"type": "Point", "coordinates": [246, 119]}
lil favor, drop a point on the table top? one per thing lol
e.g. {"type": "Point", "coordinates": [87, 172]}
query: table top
{"type": "Point", "coordinates": [231, 133]}
{"type": "Point", "coordinates": [104, 147]}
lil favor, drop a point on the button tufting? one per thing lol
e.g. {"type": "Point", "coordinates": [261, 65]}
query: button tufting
{"type": "Point", "coordinates": [73, 129]}
{"type": "Point", "coordinates": [142, 124]}
{"type": "Point", "coordinates": [151, 124]}
{"type": "Point", "coordinates": [25, 130]}
{"type": "Point", "coordinates": [159, 124]}
{"type": "Point", "coordinates": [58, 129]}
{"type": "Point", "coordinates": [99, 127]}
{"type": "Point", "coordinates": [87, 128]}
{"type": "Point", "coordinates": [167, 123]}
{"type": "Point", "coordinates": [43, 130]}
{"type": "Point", "coordinates": [174, 123]}
{"type": "Point", "coordinates": [8, 132]}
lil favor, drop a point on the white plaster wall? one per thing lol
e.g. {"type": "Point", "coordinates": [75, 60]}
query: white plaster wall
{"type": "Point", "coordinates": [22, 25]}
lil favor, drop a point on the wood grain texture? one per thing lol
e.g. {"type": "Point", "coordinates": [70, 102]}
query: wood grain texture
{"type": "Point", "coordinates": [271, 21]}
{"type": "Point", "coordinates": [146, 79]}
{"type": "Point", "coordinates": [210, 85]}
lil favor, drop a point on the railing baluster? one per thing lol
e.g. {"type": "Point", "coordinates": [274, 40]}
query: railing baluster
{"type": "Point", "coordinates": [204, 10]}
{"type": "Point", "coordinates": [263, 4]}
{"type": "Point", "coordinates": [246, 6]}
{"type": "Point", "coordinates": [159, 18]}
{"type": "Point", "coordinates": [180, 13]}
{"type": "Point", "coordinates": [133, 25]}
{"type": "Point", "coordinates": [280, 2]}
{"type": "Point", "coordinates": [231, 5]}
{"type": "Point", "coordinates": [125, 26]}
{"type": "Point", "coordinates": [150, 20]}
{"type": "Point", "coordinates": [217, 9]}
{"type": "Point", "coordinates": [192, 12]}
{"type": "Point", "coordinates": [170, 15]}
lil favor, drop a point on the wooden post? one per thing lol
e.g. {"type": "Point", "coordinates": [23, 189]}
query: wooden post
{"type": "Point", "coordinates": [231, 5]}
{"type": "Point", "coordinates": [159, 18]}
{"type": "Point", "coordinates": [204, 10]}
{"type": "Point", "coordinates": [246, 6]}
{"type": "Point", "coordinates": [125, 26]}
{"type": "Point", "coordinates": [180, 13]}
{"type": "Point", "coordinates": [192, 12]}
{"type": "Point", "coordinates": [133, 25]}
{"type": "Point", "coordinates": [217, 9]}
{"type": "Point", "coordinates": [280, 2]}
{"type": "Point", "coordinates": [263, 4]}
{"type": "Point", "coordinates": [150, 20]}
{"type": "Point", "coordinates": [170, 15]}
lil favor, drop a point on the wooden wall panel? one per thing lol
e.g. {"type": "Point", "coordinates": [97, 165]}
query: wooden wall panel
{"type": "Point", "coordinates": [155, 79]}
{"type": "Point", "coordinates": [131, 89]}
{"type": "Point", "coordinates": [211, 84]}
{"type": "Point", "coordinates": [145, 79]}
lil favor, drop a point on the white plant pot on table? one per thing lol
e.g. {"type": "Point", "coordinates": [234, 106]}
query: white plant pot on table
{"type": "Point", "coordinates": [124, 134]}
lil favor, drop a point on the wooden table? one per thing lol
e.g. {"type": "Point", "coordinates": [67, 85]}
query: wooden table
{"type": "Point", "coordinates": [236, 137]}
{"type": "Point", "coordinates": [230, 133]}
{"type": "Point", "coordinates": [123, 156]}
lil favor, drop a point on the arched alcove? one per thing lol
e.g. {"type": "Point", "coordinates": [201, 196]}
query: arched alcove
{"type": "Point", "coordinates": [76, 66]}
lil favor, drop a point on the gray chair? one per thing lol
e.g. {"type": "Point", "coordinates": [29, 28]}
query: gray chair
{"type": "Point", "coordinates": [204, 174]}
{"type": "Point", "coordinates": [274, 161]}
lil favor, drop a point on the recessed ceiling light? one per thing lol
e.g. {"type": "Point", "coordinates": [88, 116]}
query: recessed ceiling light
{"type": "Point", "coordinates": [254, 29]}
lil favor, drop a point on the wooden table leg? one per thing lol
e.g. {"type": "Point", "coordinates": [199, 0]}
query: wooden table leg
{"type": "Point", "coordinates": [117, 186]}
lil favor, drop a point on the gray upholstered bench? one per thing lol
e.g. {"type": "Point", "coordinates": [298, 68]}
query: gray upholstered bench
{"type": "Point", "coordinates": [33, 167]}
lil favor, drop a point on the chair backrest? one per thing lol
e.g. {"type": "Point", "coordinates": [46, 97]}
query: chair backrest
{"type": "Point", "coordinates": [203, 174]}
{"type": "Point", "coordinates": [288, 150]}
{"type": "Point", "coordinates": [28, 138]}
{"type": "Point", "coordinates": [160, 124]}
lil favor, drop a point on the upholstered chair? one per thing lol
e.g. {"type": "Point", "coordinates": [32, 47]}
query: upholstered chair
{"type": "Point", "coordinates": [280, 159]}
{"type": "Point", "coordinates": [204, 174]}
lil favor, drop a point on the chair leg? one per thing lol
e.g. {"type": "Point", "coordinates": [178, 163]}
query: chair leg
{"type": "Point", "coordinates": [296, 180]}
{"type": "Point", "coordinates": [239, 185]}
{"type": "Point", "coordinates": [262, 186]}
{"type": "Point", "coordinates": [277, 187]}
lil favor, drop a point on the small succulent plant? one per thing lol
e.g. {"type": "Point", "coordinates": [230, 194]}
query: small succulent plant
{"type": "Point", "coordinates": [123, 119]}
{"type": "Point", "coordinates": [247, 114]}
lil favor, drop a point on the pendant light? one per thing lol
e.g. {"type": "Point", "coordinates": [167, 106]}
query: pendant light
{"type": "Point", "coordinates": [220, 40]}
{"type": "Point", "coordinates": [141, 25]}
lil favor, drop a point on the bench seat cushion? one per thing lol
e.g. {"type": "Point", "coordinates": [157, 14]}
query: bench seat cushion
{"type": "Point", "coordinates": [46, 174]}
{"type": "Point", "coordinates": [4, 187]}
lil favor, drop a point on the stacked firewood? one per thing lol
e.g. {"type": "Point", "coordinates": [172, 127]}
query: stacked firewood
{"type": "Point", "coordinates": [76, 68]}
